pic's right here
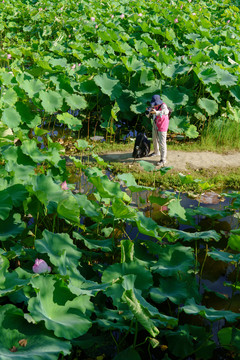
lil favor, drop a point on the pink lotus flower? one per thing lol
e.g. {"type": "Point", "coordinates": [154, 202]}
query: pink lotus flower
{"type": "Point", "coordinates": [96, 26]}
{"type": "Point", "coordinates": [79, 64]}
{"type": "Point", "coordinates": [228, 21]}
{"type": "Point", "coordinates": [64, 184]}
{"type": "Point", "coordinates": [112, 16]}
{"type": "Point", "coordinates": [181, 6]}
{"type": "Point", "coordinates": [165, 46]}
{"type": "Point", "coordinates": [9, 56]}
{"type": "Point", "coordinates": [176, 21]}
{"type": "Point", "coordinates": [140, 14]}
{"type": "Point", "coordinates": [189, 1]}
{"type": "Point", "coordinates": [92, 18]}
{"type": "Point", "coordinates": [122, 16]}
{"type": "Point", "coordinates": [40, 9]}
{"type": "Point", "coordinates": [193, 14]}
{"type": "Point", "coordinates": [40, 266]}
{"type": "Point", "coordinates": [74, 65]}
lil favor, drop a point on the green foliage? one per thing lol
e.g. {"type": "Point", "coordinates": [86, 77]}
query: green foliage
{"type": "Point", "coordinates": [119, 279]}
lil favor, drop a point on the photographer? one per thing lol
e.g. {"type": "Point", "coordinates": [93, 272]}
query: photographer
{"type": "Point", "coordinates": [160, 112]}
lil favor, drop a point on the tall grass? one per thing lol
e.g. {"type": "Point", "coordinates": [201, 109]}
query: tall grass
{"type": "Point", "coordinates": [221, 133]}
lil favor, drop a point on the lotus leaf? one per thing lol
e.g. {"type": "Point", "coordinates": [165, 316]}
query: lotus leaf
{"type": "Point", "coordinates": [69, 320]}
{"type": "Point", "coordinates": [51, 101]}
{"type": "Point", "coordinates": [173, 259]}
{"type": "Point", "coordinates": [11, 227]}
{"type": "Point", "coordinates": [109, 86]}
{"type": "Point", "coordinates": [57, 246]}
{"type": "Point", "coordinates": [37, 343]}
{"type": "Point", "coordinates": [11, 118]}
{"type": "Point", "coordinates": [209, 313]}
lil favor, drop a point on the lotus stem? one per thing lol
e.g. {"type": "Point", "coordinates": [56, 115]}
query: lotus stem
{"type": "Point", "coordinates": [205, 258]}
{"type": "Point", "coordinates": [135, 335]}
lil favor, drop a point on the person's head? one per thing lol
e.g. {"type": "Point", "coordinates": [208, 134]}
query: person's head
{"type": "Point", "coordinates": [156, 100]}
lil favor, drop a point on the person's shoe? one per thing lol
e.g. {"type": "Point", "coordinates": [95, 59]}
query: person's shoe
{"type": "Point", "coordinates": [153, 154]}
{"type": "Point", "coordinates": [161, 163]}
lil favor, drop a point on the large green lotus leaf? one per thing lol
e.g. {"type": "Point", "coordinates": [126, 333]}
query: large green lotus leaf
{"type": "Point", "coordinates": [214, 90]}
{"type": "Point", "coordinates": [174, 290]}
{"type": "Point", "coordinates": [147, 315]}
{"type": "Point", "coordinates": [46, 190]}
{"type": "Point", "coordinates": [109, 319]}
{"type": "Point", "coordinates": [229, 338]}
{"type": "Point", "coordinates": [10, 97]}
{"type": "Point", "coordinates": [210, 106]}
{"type": "Point", "coordinates": [130, 182]}
{"type": "Point", "coordinates": [121, 210]}
{"type": "Point", "coordinates": [192, 132]}
{"type": "Point", "coordinates": [147, 226]}
{"type": "Point", "coordinates": [88, 208]}
{"type": "Point", "coordinates": [109, 86]}
{"type": "Point", "coordinates": [11, 227]}
{"type": "Point", "coordinates": [32, 86]}
{"type": "Point", "coordinates": [235, 92]}
{"type": "Point", "coordinates": [82, 144]}
{"type": "Point", "coordinates": [173, 97]}
{"type": "Point", "coordinates": [18, 194]}
{"type": "Point", "coordinates": [11, 118]}
{"type": "Point", "coordinates": [51, 101]}
{"type": "Point", "coordinates": [105, 245]}
{"type": "Point", "coordinates": [234, 242]}
{"type": "Point", "coordinates": [174, 69]}
{"type": "Point", "coordinates": [29, 147]}
{"type": "Point", "coordinates": [129, 353]}
{"type": "Point", "coordinates": [59, 63]}
{"type": "Point", "coordinates": [212, 213]}
{"type": "Point", "coordinates": [27, 115]}
{"type": "Point", "coordinates": [191, 308]}
{"type": "Point", "coordinates": [109, 35]}
{"type": "Point", "coordinates": [173, 259]}
{"type": "Point", "coordinates": [76, 101]}
{"type": "Point", "coordinates": [201, 235]}
{"type": "Point", "coordinates": [127, 251]}
{"type": "Point", "coordinates": [100, 161]}
{"type": "Point", "coordinates": [68, 209]}
{"type": "Point", "coordinates": [132, 63]}
{"type": "Point", "coordinates": [6, 204]}
{"type": "Point", "coordinates": [147, 166]}
{"type": "Point", "coordinates": [225, 78]}
{"type": "Point", "coordinates": [88, 87]}
{"type": "Point", "coordinates": [72, 122]}
{"type": "Point", "coordinates": [107, 188]}
{"type": "Point", "coordinates": [68, 320]}
{"type": "Point", "coordinates": [56, 245]}
{"type": "Point", "coordinates": [140, 312]}
{"type": "Point", "coordinates": [9, 281]}
{"type": "Point", "coordinates": [143, 276]}
{"type": "Point", "coordinates": [177, 210]}
{"type": "Point", "coordinates": [41, 344]}
{"type": "Point", "coordinates": [208, 76]}
{"type": "Point", "coordinates": [14, 156]}
{"type": "Point", "coordinates": [178, 124]}
{"type": "Point", "coordinates": [224, 256]}
{"type": "Point", "coordinates": [189, 339]}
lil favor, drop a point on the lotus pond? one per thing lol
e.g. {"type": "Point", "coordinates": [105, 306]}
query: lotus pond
{"type": "Point", "coordinates": [111, 269]}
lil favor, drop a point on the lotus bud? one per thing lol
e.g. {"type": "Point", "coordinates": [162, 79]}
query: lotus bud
{"type": "Point", "coordinates": [40, 266]}
{"type": "Point", "coordinates": [64, 185]}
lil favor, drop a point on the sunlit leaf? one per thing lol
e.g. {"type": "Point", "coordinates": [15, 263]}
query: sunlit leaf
{"type": "Point", "coordinates": [68, 320]}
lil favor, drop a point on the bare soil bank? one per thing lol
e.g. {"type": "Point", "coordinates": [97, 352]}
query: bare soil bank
{"type": "Point", "coordinates": [182, 161]}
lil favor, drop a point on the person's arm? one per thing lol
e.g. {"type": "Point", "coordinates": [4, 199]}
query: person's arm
{"type": "Point", "coordinates": [163, 111]}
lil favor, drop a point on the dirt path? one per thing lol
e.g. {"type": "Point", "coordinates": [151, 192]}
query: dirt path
{"type": "Point", "coordinates": [181, 160]}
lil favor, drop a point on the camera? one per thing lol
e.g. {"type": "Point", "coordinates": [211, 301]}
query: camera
{"type": "Point", "coordinates": [148, 111]}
